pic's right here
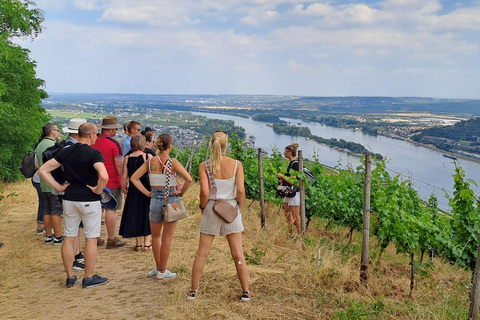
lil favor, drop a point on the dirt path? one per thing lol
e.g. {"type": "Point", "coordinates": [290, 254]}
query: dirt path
{"type": "Point", "coordinates": [32, 277]}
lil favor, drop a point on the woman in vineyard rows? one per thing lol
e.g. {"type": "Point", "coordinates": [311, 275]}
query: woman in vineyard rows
{"type": "Point", "coordinates": [291, 203]}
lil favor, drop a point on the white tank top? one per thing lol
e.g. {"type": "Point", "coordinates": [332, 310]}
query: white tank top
{"type": "Point", "coordinates": [159, 179]}
{"type": "Point", "coordinates": [227, 188]}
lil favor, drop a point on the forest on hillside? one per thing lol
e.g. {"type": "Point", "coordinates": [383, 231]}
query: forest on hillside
{"type": "Point", "coordinates": [463, 136]}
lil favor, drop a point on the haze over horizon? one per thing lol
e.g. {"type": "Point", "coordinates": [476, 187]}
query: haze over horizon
{"type": "Point", "coordinates": [336, 48]}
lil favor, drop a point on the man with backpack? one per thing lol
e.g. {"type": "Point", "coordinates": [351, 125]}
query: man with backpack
{"type": "Point", "coordinates": [52, 217]}
{"type": "Point", "coordinates": [87, 177]}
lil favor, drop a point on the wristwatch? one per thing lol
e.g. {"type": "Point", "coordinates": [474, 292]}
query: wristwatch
{"type": "Point", "coordinates": [200, 206]}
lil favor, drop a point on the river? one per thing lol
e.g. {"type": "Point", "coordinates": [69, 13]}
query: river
{"type": "Point", "coordinates": [428, 169]}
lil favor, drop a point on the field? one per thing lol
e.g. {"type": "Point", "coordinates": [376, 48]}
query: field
{"type": "Point", "coordinates": [317, 278]}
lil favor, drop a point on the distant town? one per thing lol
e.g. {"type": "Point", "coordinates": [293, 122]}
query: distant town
{"type": "Point", "coordinates": [450, 125]}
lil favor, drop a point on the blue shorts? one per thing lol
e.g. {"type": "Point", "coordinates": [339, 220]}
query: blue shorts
{"type": "Point", "coordinates": [157, 202]}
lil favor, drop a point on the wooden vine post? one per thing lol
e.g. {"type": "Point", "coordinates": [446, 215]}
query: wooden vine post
{"type": "Point", "coordinates": [302, 193]}
{"type": "Point", "coordinates": [475, 294]}
{"type": "Point", "coordinates": [366, 220]}
{"type": "Point", "coordinates": [260, 182]}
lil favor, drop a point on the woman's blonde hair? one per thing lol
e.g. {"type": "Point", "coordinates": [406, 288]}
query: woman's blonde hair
{"type": "Point", "coordinates": [292, 148]}
{"type": "Point", "coordinates": [219, 143]}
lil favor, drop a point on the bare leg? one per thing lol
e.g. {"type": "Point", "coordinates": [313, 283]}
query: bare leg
{"type": "Point", "coordinates": [236, 249]}
{"type": "Point", "coordinates": [68, 255]}
{"type": "Point", "coordinates": [77, 245]}
{"type": "Point", "coordinates": [296, 217]}
{"type": "Point", "coordinates": [138, 241]}
{"type": "Point", "coordinates": [167, 236]}
{"type": "Point", "coordinates": [47, 221]}
{"type": "Point", "coordinates": [203, 250]}
{"type": "Point", "coordinates": [90, 256]}
{"type": "Point", "coordinates": [289, 217]}
{"type": "Point", "coordinates": [147, 242]}
{"type": "Point", "coordinates": [156, 240]}
{"type": "Point", "coordinates": [57, 225]}
{"type": "Point", "coordinates": [111, 223]}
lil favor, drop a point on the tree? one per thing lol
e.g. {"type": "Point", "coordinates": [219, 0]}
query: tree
{"type": "Point", "coordinates": [18, 20]}
{"type": "Point", "coordinates": [21, 92]}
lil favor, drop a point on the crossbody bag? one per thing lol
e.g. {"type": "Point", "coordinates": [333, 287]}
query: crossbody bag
{"type": "Point", "coordinates": [221, 207]}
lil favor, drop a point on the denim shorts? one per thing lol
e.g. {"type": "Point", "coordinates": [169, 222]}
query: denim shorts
{"type": "Point", "coordinates": [157, 202]}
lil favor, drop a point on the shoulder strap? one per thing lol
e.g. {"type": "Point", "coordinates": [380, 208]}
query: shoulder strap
{"type": "Point", "coordinates": [167, 178]}
{"type": "Point", "coordinates": [211, 179]}
{"type": "Point", "coordinates": [166, 166]}
{"type": "Point", "coordinates": [235, 169]}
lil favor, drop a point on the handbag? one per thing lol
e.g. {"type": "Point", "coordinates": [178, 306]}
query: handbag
{"type": "Point", "coordinates": [221, 207]}
{"type": "Point", "coordinates": [285, 189]}
{"type": "Point", "coordinates": [176, 210]}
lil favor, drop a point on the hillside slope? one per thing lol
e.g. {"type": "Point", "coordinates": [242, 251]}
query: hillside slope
{"type": "Point", "coordinates": [291, 279]}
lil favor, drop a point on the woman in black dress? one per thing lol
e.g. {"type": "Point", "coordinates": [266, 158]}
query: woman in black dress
{"type": "Point", "coordinates": [135, 222]}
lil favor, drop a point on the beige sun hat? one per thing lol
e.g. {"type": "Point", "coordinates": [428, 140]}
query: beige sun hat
{"type": "Point", "coordinates": [73, 125]}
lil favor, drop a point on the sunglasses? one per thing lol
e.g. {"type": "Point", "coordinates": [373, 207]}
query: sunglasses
{"type": "Point", "coordinates": [221, 131]}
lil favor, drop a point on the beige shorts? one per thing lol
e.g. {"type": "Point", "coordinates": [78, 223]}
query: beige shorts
{"type": "Point", "coordinates": [117, 194]}
{"type": "Point", "coordinates": [211, 223]}
{"type": "Point", "coordinates": [88, 212]}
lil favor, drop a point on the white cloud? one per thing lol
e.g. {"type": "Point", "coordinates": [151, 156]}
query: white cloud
{"type": "Point", "coordinates": [258, 18]}
{"type": "Point", "coordinates": [254, 37]}
{"type": "Point", "coordinates": [251, 67]}
{"type": "Point", "coordinates": [292, 64]}
{"type": "Point", "coordinates": [415, 71]}
{"type": "Point", "coordinates": [317, 9]}
{"type": "Point", "coordinates": [90, 4]}
{"type": "Point", "coordinates": [321, 55]}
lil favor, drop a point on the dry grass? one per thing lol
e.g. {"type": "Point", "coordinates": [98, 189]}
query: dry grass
{"type": "Point", "coordinates": [317, 278]}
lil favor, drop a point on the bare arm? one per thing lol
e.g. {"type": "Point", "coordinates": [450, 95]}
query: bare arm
{"type": "Point", "coordinates": [204, 186]}
{"type": "Point", "coordinates": [239, 180]}
{"type": "Point", "coordinates": [119, 165]}
{"type": "Point", "coordinates": [102, 178]}
{"type": "Point", "coordinates": [135, 179]}
{"type": "Point", "coordinates": [177, 167]}
{"type": "Point", "coordinates": [45, 172]}
{"type": "Point", "coordinates": [124, 181]}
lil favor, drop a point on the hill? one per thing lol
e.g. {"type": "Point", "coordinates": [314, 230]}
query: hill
{"type": "Point", "coordinates": [313, 278]}
{"type": "Point", "coordinates": [463, 137]}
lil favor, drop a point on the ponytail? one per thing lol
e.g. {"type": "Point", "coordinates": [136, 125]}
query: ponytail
{"type": "Point", "coordinates": [219, 147]}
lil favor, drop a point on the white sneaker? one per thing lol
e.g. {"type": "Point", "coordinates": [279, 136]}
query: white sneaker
{"type": "Point", "coordinates": [167, 275]}
{"type": "Point", "coordinates": [152, 273]}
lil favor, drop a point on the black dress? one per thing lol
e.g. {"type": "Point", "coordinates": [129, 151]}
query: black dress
{"type": "Point", "coordinates": [135, 222]}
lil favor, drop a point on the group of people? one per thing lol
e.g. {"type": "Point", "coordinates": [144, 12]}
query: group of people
{"type": "Point", "coordinates": [96, 164]}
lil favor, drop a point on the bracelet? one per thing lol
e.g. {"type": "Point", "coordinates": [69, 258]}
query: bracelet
{"type": "Point", "coordinates": [200, 206]}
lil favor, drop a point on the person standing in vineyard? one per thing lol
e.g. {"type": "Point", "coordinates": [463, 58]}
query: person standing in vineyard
{"type": "Point", "coordinates": [229, 182]}
{"type": "Point", "coordinates": [292, 204]}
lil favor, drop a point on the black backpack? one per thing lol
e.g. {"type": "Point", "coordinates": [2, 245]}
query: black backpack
{"type": "Point", "coordinates": [27, 168]}
{"type": "Point", "coordinates": [307, 172]}
{"type": "Point", "coordinates": [50, 153]}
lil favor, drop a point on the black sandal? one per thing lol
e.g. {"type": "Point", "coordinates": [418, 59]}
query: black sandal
{"type": "Point", "coordinates": [138, 248]}
{"type": "Point", "coordinates": [146, 248]}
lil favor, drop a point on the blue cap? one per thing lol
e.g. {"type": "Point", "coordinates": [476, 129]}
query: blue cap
{"type": "Point", "coordinates": [108, 200]}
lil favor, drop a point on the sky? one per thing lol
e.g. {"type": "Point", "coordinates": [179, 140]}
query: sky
{"type": "Point", "coordinates": [423, 48]}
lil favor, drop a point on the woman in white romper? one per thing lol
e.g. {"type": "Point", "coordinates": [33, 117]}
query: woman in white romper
{"type": "Point", "coordinates": [229, 179]}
